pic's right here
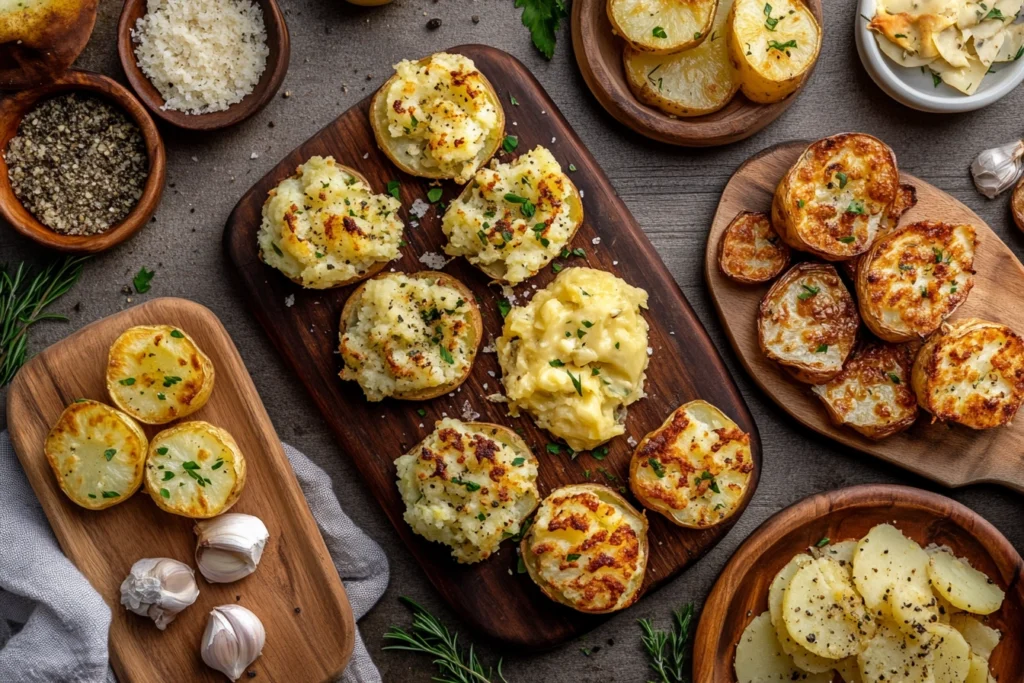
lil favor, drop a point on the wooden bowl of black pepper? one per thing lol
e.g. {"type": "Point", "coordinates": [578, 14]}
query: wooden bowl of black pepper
{"type": "Point", "coordinates": [39, 176]}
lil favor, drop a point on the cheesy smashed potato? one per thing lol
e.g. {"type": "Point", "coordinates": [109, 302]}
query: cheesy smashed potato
{"type": "Point", "coordinates": [324, 227]}
{"type": "Point", "coordinates": [576, 356]}
{"type": "Point", "coordinates": [514, 218]}
{"type": "Point", "coordinates": [469, 486]}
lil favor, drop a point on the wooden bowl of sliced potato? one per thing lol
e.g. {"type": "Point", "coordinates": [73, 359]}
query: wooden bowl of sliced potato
{"type": "Point", "coordinates": [858, 583]}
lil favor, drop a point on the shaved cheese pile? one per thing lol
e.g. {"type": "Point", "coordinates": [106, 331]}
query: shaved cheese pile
{"type": "Point", "coordinates": [959, 41]}
{"type": "Point", "coordinates": [202, 55]}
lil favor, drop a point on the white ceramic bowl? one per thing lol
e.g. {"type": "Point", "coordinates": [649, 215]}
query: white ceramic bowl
{"type": "Point", "coordinates": [917, 90]}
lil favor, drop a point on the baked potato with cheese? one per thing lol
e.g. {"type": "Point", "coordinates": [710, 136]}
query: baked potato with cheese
{"type": "Point", "coordinates": [409, 336]}
{"type": "Point", "coordinates": [587, 549]}
{"type": "Point", "coordinates": [438, 118]}
{"type": "Point", "coordinates": [695, 468]}
{"type": "Point", "coordinates": [750, 251]}
{"type": "Point", "coordinates": [971, 372]}
{"type": "Point", "coordinates": [157, 373]}
{"type": "Point", "coordinates": [807, 322]}
{"type": "Point", "coordinates": [40, 39]}
{"type": "Point", "coordinates": [96, 453]}
{"type": "Point", "coordinates": [195, 469]}
{"type": "Point", "coordinates": [662, 26]}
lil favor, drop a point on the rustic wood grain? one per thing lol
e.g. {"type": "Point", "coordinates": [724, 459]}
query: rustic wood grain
{"type": "Point", "coordinates": [599, 56]}
{"type": "Point", "coordinates": [304, 327]}
{"type": "Point", "coordinates": [949, 454]}
{"type": "Point", "coordinates": [741, 592]}
{"type": "Point", "coordinates": [278, 42]}
{"type": "Point", "coordinates": [295, 591]}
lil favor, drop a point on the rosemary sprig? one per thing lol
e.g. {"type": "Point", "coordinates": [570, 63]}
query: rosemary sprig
{"type": "Point", "coordinates": [429, 636]}
{"type": "Point", "coordinates": [24, 299]}
{"type": "Point", "coordinates": [666, 650]}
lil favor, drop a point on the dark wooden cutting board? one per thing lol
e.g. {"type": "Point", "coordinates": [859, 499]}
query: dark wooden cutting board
{"type": "Point", "coordinates": [303, 324]}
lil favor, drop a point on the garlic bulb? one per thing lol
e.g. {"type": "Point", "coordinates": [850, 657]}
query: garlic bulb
{"type": "Point", "coordinates": [233, 640]}
{"type": "Point", "coordinates": [230, 546]}
{"type": "Point", "coordinates": [159, 588]}
{"type": "Point", "coordinates": [996, 170]}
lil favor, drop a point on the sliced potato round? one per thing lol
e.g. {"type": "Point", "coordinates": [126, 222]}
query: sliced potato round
{"type": "Point", "coordinates": [801, 656]}
{"type": "Point", "coordinates": [982, 639]}
{"type": "Point", "coordinates": [96, 453]}
{"type": "Point", "coordinates": [773, 47]}
{"type": "Point", "coordinates": [750, 251]}
{"type": "Point", "coordinates": [914, 610]}
{"type": "Point", "coordinates": [951, 655]}
{"type": "Point", "coordinates": [195, 469]}
{"type": "Point", "coordinates": [963, 585]}
{"type": "Point", "coordinates": [979, 672]}
{"type": "Point", "coordinates": [760, 659]}
{"type": "Point", "coordinates": [891, 657]}
{"type": "Point", "coordinates": [157, 373]}
{"type": "Point", "coordinates": [841, 552]}
{"type": "Point", "coordinates": [849, 671]}
{"type": "Point", "coordinates": [662, 26]}
{"type": "Point", "coordinates": [884, 558]}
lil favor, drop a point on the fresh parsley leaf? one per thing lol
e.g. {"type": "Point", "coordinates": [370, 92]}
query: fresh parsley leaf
{"type": "Point", "coordinates": [143, 278]}
{"type": "Point", "coordinates": [513, 100]}
{"type": "Point", "coordinates": [857, 207]}
{"type": "Point", "coordinates": [656, 467]}
{"type": "Point", "coordinates": [809, 291]}
{"type": "Point", "coordinates": [177, 334]}
{"type": "Point", "coordinates": [434, 194]}
{"type": "Point", "coordinates": [394, 188]}
{"type": "Point", "coordinates": [510, 143]}
{"type": "Point", "coordinates": [504, 307]}
{"type": "Point", "coordinates": [126, 382]}
{"type": "Point", "coordinates": [572, 557]}
{"type": "Point", "coordinates": [822, 348]}
{"type": "Point", "coordinates": [936, 79]}
{"type": "Point", "coordinates": [518, 461]}
{"type": "Point", "coordinates": [556, 363]}
{"type": "Point", "coordinates": [842, 179]}
{"type": "Point", "coordinates": [599, 453]}
{"type": "Point", "coordinates": [823, 542]}
{"type": "Point", "coordinates": [895, 378]}
{"type": "Point", "coordinates": [781, 47]}
{"type": "Point", "coordinates": [421, 412]}
{"type": "Point", "coordinates": [470, 485]}
{"type": "Point", "coordinates": [575, 382]}
{"type": "Point", "coordinates": [446, 355]}
{"type": "Point", "coordinates": [849, 239]}
{"type": "Point", "coordinates": [659, 32]}
{"type": "Point", "coordinates": [542, 18]}
{"type": "Point", "coordinates": [111, 494]}
{"type": "Point", "coordinates": [165, 493]}
{"type": "Point", "coordinates": [109, 454]}
{"type": "Point", "coordinates": [554, 448]}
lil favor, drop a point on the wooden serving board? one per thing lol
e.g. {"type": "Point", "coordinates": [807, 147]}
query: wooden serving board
{"type": "Point", "coordinates": [599, 56]}
{"type": "Point", "coordinates": [741, 592]}
{"type": "Point", "coordinates": [295, 590]}
{"type": "Point", "coordinates": [949, 454]}
{"type": "Point", "coordinates": [304, 324]}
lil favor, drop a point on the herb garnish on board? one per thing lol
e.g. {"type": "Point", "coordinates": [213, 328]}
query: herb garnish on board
{"type": "Point", "coordinates": [666, 650]}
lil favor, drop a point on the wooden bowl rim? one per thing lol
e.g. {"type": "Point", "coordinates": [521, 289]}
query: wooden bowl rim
{"type": "Point", "coordinates": [270, 82]}
{"type": "Point", "coordinates": [818, 506]}
{"type": "Point", "coordinates": [610, 89]}
{"type": "Point", "coordinates": [74, 80]}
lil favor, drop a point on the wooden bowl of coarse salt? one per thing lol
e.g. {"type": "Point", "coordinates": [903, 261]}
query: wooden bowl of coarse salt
{"type": "Point", "coordinates": [222, 84]}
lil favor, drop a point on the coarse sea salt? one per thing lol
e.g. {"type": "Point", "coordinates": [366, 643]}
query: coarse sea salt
{"type": "Point", "coordinates": [433, 260]}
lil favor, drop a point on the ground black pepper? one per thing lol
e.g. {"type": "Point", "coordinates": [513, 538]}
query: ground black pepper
{"type": "Point", "coordinates": [78, 164]}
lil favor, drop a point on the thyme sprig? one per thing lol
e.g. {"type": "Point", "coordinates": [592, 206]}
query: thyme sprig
{"type": "Point", "coordinates": [666, 650]}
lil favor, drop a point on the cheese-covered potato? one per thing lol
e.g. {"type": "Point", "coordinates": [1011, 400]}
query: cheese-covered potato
{"type": "Point", "coordinates": [587, 548]}
{"type": "Point", "coordinates": [438, 117]}
{"type": "Point", "coordinates": [157, 373]}
{"type": "Point", "coordinates": [837, 196]}
{"type": "Point", "coordinates": [662, 26]}
{"type": "Point", "coordinates": [695, 468]}
{"type": "Point", "coordinates": [872, 394]}
{"type": "Point", "coordinates": [409, 336]}
{"type": "Point", "coordinates": [195, 469]}
{"type": "Point", "coordinates": [807, 322]}
{"type": "Point", "coordinates": [576, 355]}
{"type": "Point", "coordinates": [750, 250]}
{"type": "Point", "coordinates": [514, 218]}
{"type": "Point", "coordinates": [324, 227]}
{"type": "Point", "coordinates": [96, 453]}
{"type": "Point", "coordinates": [468, 485]}
{"type": "Point", "coordinates": [971, 372]}
{"type": "Point", "coordinates": [914, 278]}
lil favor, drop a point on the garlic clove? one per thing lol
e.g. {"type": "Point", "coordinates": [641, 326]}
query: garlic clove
{"type": "Point", "coordinates": [996, 170]}
{"type": "Point", "coordinates": [233, 640]}
{"type": "Point", "coordinates": [159, 588]}
{"type": "Point", "coordinates": [230, 546]}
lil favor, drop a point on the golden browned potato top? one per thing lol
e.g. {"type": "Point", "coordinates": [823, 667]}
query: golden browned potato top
{"type": "Point", "coordinates": [751, 250]}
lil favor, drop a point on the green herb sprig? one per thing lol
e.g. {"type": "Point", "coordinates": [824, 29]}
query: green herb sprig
{"type": "Point", "coordinates": [667, 650]}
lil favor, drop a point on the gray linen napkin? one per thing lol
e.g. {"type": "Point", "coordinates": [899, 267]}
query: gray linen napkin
{"type": "Point", "coordinates": [64, 622]}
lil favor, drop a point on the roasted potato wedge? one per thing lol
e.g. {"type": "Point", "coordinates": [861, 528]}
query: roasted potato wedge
{"type": "Point", "coordinates": [750, 251]}
{"type": "Point", "coordinates": [662, 26]}
{"type": "Point", "coordinates": [760, 658]}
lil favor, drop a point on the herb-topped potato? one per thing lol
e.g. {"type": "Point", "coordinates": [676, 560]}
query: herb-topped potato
{"type": "Point", "coordinates": [662, 26]}
{"type": "Point", "coordinates": [324, 227]}
{"type": "Point", "coordinates": [514, 218]}
{"type": "Point", "coordinates": [438, 117]}
{"type": "Point", "coordinates": [157, 373]}
{"type": "Point", "coordinates": [750, 251]}
{"type": "Point", "coordinates": [409, 337]}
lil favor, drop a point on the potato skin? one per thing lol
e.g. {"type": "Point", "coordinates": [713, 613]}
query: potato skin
{"type": "Point", "coordinates": [738, 238]}
{"type": "Point", "coordinates": [40, 42]}
{"type": "Point", "coordinates": [1017, 205]}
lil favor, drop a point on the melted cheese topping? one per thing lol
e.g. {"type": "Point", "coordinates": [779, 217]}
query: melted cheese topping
{"type": "Point", "coordinates": [514, 218]}
{"type": "Point", "coordinates": [468, 486]}
{"type": "Point", "coordinates": [588, 549]}
{"type": "Point", "coordinates": [324, 227]}
{"type": "Point", "coordinates": [695, 468]}
{"type": "Point", "coordinates": [751, 250]}
{"type": "Point", "coordinates": [407, 334]}
{"type": "Point", "coordinates": [576, 356]}
{"type": "Point", "coordinates": [441, 113]}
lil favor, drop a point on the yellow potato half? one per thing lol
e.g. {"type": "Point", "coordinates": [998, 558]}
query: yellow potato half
{"type": "Point", "coordinates": [773, 47]}
{"type": "Point", "coordinates": [662, 26]}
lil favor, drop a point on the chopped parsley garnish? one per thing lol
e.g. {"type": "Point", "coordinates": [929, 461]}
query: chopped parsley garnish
{"type": "Point", "coordinates": [842, 179]}
{"type": "Point", "coordinates": [656, 467]}
{"type": "Point", "coordinates": [572, 557]}
{"type": "Point", "coordinates": [446, 355]}
{"type": "Point", "coordinates": [849, 239]}
{"type": "Point", "coordinates": [557, 267]}
{"type": "Point", "coordinates": [162, 450]}
{"type": "Point", "coordinates": [659, 32]}
{"type": "Point", "coordinates": [111, 494]}
{"type": "Point", "coordinates": [144, 277]}
{"type": "Point", "coordinates": [808, 292]}
{"type": "Point", "coordinates": [895, 378]}
{"type": "Point", "coordinates": [161, 397]}
{"type": "Point", "coordinates": [217, 465]}
{"type": "Point", "coordinates": [599, 453]}
{"type": "Point", "coordinates": [518, 461]}
{"type": "Point", "coordinates": [781, 47]}
{"type": "Point", "coordinates": [705, 475]}
{"type": "Point", "coordinates": [800, 203]}
{"type": "Point", "coordinates": [575, 383]}
{"type": "Point", "coordinates": [171, 380]}
{"type": "Point", "coordinates": [823, 542]}
{"type": "Point", "coordinates": [510, 143]}
{"type": "Point", "coordinates": [572, 167]}
{"type": "Point", "coordinates": [554, 448]}
{"type": "Point", "coordinates": [470, 485]}
{"type": "Point", "coordinates": [177, 334]}
{"type": "Point", "coordinates": [127, 381]}
{"type": "Point", "coordinates": [481, 516]}
{"type": "Point", "coordinates": [513, 100]}
{"type": "Point", "coordinates": [556, 363]}
{"type": "Point", "coordinates": [857, 207]}
{"type": "Point", "coordinates": [504, 307]}
{"type": "Point", "coordinates": [769, 22]}
{"type": "Point", "coordinates": [412, 118]}
{"type": "Point", "coordinates": [994, 13]}
{"type": "Point", "coordinates": [587, 324]}
{"type": "Point", "coordinates": [109, 454]}
{"type": "Point", "coordinates": [434, 194]}
{"type": "Point", "coordinates": [822, 348]}
{"type": "Point", "coordinates": [394, 188]}
{"type": "Point", "coordinates": [936, 79]}
{"type": "Point", "coordinates": [165, 493]}
{"type": "Point", "coordinates": [168, 475]}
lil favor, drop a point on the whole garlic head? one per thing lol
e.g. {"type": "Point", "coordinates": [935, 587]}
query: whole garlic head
{"type": "Point", "coordinates": [233, 640]}
{"type": "Point", "coordinates": [159, 588]}
{"type": "Point", "coordinates": [996, 170]}
{"type": "Point", "coordinates": [230, 546]}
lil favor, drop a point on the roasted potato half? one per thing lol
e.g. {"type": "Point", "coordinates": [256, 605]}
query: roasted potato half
{"type": "Point", "coordinates": [750, 251]}
{"type": "Point", "coordinates": [971, 372]}
{"type": "Point", "coordinates": [773, 47]}
{"type": "Point", "coordinates": [587, 549]}
{"type": "Point", "coordinates": [96, 453]}
{"type": "Point", "coordinates": [915, 277]}
{"type": "Point", "coordinates": [40, 39]}
{"type": "Point", "coordinates": [760, 657]}
{"type": "Point", "coordinates": [195, 469]}
{"type": "Point", "coordinates": [872, 394]}
{"type": "Point", "coordinates": [695, 468]}
{"type": "Point", "coordinates": [807, 322]}
{"type": "Point", "coordinates": [1017, 205]}
{"type": "Point", "coordinates": [438, 118]}
{"type": "Point", "coordinates": [409, 336]}
{"type": "Point", "coordinates": [157, 373]}
{"type": "Point", "coordinates": [662, 26]}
